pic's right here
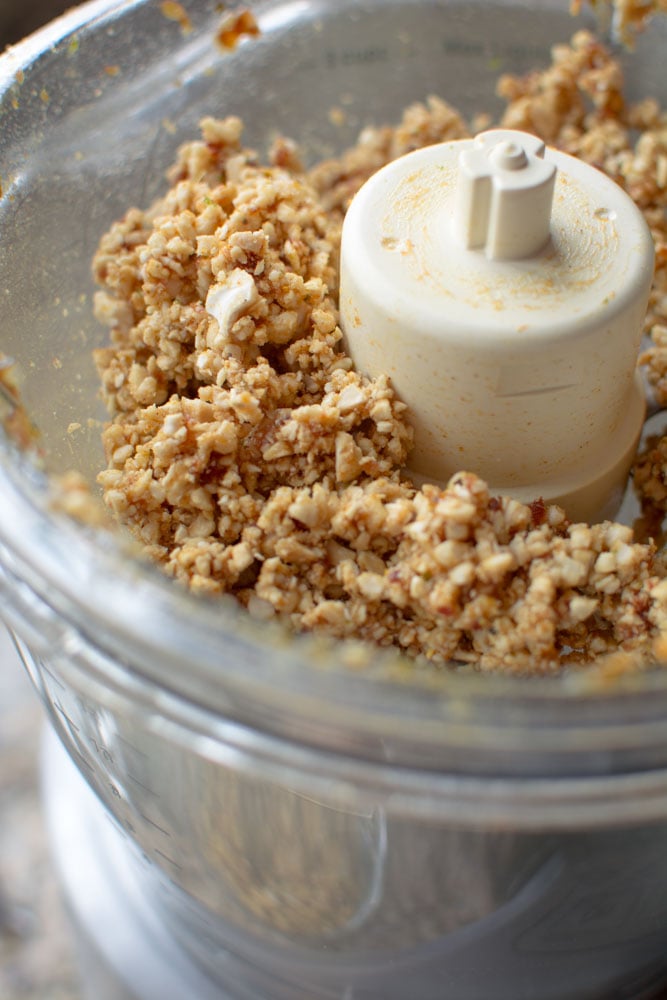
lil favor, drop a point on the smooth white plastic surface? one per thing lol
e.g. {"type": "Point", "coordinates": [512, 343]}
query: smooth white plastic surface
{"type": "Point", "coordinates": [503, 288]}
{"type": "Point", "coordinates": [504, 195]}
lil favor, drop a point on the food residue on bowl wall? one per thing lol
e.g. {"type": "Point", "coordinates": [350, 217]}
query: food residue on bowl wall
{"type": "Point", "coordinates": [235, 27]}
{"type": "Point", "coordinates": [175, 11]}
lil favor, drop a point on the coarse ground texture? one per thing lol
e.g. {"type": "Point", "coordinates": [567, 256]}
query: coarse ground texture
{"type": "Point", "coordinates": [248, 457]}
{"type": "Point", "coordinates": [628, 16]}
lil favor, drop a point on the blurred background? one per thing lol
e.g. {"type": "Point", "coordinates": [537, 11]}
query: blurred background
{"type": "Point", "coordinates": [36, 958]}
{"type": "Point", "coordinates": [19, 17]}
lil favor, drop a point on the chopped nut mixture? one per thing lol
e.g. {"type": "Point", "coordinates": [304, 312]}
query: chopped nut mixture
{"type": "Point", "coordinates": [629, 16]}
{"type": "Point", "coordinates": [14, 417]}
{"type": "Point", "coordinates": [248, 457]}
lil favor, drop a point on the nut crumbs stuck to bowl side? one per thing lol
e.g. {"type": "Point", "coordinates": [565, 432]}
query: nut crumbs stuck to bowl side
{"type": "Point", "coordinates": [628, 16]}
{"type": "Point", "coordinates": [248, 457]}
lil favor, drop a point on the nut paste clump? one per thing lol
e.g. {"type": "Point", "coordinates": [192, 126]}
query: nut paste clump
{"type": "Point", "coordinates": [248, 456]}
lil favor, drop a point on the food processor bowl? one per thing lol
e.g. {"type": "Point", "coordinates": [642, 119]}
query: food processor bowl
{"type": "Point", "coordinates": [309, 820]}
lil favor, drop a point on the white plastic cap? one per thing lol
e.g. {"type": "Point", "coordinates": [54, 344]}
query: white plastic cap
{"type": "Point", "coordinates": [503, 288]}
{"type": "Point", "coordinates": [504, 195]}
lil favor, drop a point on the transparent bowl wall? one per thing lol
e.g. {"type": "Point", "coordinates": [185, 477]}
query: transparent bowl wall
{"type": "Point", "coordinates": [305, 828]}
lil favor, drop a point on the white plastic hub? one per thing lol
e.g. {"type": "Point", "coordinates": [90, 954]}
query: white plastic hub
{"type": "Point", "coordinates": [504, 195]}
{"type": "Point", "coordinates": [503, 286]}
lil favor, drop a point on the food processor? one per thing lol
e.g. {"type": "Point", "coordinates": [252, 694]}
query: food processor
{"type": "Point", "coordinates": [237, 812]}
{"type": "Point", "coordinates": [503, 286]}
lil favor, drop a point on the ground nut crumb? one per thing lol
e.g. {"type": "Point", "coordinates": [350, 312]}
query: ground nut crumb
{"type": "Point", "coordinates": [248, 457]}
{"type": "Point", "coordinates": [629, 16]}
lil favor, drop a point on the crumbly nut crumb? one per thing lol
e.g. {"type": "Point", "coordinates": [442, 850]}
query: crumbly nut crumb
{"type": "Point", "coordinates": [248, 457]}
{"type": "Point", "coordinates": [629, 16]}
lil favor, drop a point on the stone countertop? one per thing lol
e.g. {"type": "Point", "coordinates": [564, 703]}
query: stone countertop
{"type": "Point", "coordinates": [36, 951]}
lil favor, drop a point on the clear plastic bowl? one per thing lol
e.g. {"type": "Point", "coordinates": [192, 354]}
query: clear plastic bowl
{"type": "Point", "coordinates": [320, 830]}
